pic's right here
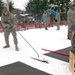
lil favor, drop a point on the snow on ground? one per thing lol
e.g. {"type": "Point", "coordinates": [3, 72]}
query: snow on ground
{"type": "Point", "coordinates": [38, 38]}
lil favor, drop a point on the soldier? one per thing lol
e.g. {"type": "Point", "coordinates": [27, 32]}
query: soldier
{"type": "Point", "coordinates": [73, 38]}
{"type": "Point", "coordinates": [57, 17]}
{"type": "Point", "coordinates": [9, 22]}
{"type": "Point", "coordinates": [46, 16]}
{"type": "Point", "coordinates": [72, 28]}
{"type": "Point", "coordinates": [69, 20]}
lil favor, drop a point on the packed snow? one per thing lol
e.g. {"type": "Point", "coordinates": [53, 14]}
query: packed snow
{"type": "Point", "coordinates": [38, 38]}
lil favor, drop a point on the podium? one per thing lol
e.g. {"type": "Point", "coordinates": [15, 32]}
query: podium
{"type": "Point", "coordinates": [72, 62]}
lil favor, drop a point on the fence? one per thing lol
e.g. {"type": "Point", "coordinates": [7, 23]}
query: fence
{"type": "Point", "coordinates": [24, 26]}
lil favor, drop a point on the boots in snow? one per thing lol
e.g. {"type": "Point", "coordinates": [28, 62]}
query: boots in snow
{"type": "Point", "coordinates": [6, 46]}
{"type": "Point", "coordinates": [16, 47]}
{"type": "Point", "coordinates": [46, 29]}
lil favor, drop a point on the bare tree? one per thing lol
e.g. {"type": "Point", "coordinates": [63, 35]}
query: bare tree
{"type": "Point", "coordinates": [8, 4]}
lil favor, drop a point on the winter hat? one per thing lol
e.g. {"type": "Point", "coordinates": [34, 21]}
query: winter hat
{"type": "Point", "coordinates": [72, 27]}
{"type": "Point", "coordinates": [5, 10]}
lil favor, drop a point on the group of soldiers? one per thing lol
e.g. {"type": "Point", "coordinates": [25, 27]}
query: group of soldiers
{"type": "Point", "coordinates": [47, 18]}
{"type": "Point", "coordinates": [10, 22]}
{"type": "Point", "coordinates": [70, 20]}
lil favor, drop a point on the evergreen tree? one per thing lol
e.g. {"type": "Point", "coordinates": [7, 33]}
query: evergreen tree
{"type": "Point", "coordinates": [11, 6]}
{"type": "Point", "coordinates": [62, 5]}
{"type": "Point", "coordinates": [1, 7]}
{"type": "Point", "coordinates": [37, 6]}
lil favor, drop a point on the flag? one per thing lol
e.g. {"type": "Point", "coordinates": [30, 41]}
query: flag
{"type": "Point", "coordinates": [52, 11]}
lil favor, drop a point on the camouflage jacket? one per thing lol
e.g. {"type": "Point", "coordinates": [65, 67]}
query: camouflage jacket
{"type": "Point", "coordinates": [70, 18]}
{"type": "Point", "coordinates": [9, 20]}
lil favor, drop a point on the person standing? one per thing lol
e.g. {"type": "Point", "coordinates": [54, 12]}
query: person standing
{"type": "Point", "coordinates": [69, 20]}
{"type": "Point", "coordinates": [46, 17]}
{"type": "Point", "coordinates": [9, 22]}
{"type": "Point", "coordinates": [57, 18]}
{"type": "Point", "coordinates": [72, 28]}
{"type": "Point", "coordinates": [73, 39]}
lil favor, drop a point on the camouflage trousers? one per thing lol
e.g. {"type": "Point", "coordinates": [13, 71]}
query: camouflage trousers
{"type": "Point", "coordinates": [69, 35]}
{"type": "Point", "coordinates": [73, 43]}
{"type": "Point", "coordinates": [58, 25]}
{"type": "Point", "coordinates": [46, 24]}
{"type": "Point", "coordinates": [7, 32]}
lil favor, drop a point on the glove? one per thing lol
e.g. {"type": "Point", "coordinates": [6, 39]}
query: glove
{"type": "Point", "coordinates": [55, 20]}
{"type": "Point", "coordinates": [6, 26]}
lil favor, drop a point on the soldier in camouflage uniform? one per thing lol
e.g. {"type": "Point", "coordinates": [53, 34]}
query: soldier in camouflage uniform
{"type": "Point", "coordinates": [69, 20]}
{"type": "Point", "coordinates": [9, 22]}
{"type": "Point", "coordinates": [73, 39]}
{"type": "Point", "coordinates": [72, 27]}
{"type": "Point", "coordinates": [57, 17]}
{"type": "Point", "coordinates": [46, 16]}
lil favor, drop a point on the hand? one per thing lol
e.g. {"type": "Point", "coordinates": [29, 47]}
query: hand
{"type": "Point", "coordinates": [6, 26]}
{"type": "Point", "coordinates": [55, 20]}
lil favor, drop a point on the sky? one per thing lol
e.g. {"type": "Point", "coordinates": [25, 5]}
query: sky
{"type": "Point", "coordinates": [19, 3]}
{"type": "Point", "coordinates": [51, 39]}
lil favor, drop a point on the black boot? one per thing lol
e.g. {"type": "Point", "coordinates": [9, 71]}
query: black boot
{"type": "Point", "coordinates": [46, 29]}
{"type": "Point", "coordinates": [69, 35]}
{"type": "Point", "coordinates": [6, 46]}
{"type": "Point", "coordinates": [16, 47]}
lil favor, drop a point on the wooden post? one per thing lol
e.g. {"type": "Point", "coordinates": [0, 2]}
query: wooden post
{"type": "Point", "coordinates": [72, 62]}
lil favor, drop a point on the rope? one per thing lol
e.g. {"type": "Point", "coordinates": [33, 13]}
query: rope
{"type": "Point", "coordinates": [56, 52]}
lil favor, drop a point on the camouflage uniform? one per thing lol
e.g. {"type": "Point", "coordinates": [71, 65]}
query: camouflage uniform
{"type": "Point", "coordinates": [57, 17]}
{"type": "Point", "coordinates": [46, 19]}
{"type": "Point", "coordinates": [73, 38]}
{"type": "Point", "coordinates": [9, 23]}
{"type": "Point", "coordinates": [72, 18]}
{"type": "Point", "coordinates": [69, 16]}
{"type": "Point", "coordinates": [73, 35]}
{"type": "Point", "coordinates": [73, 43]}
